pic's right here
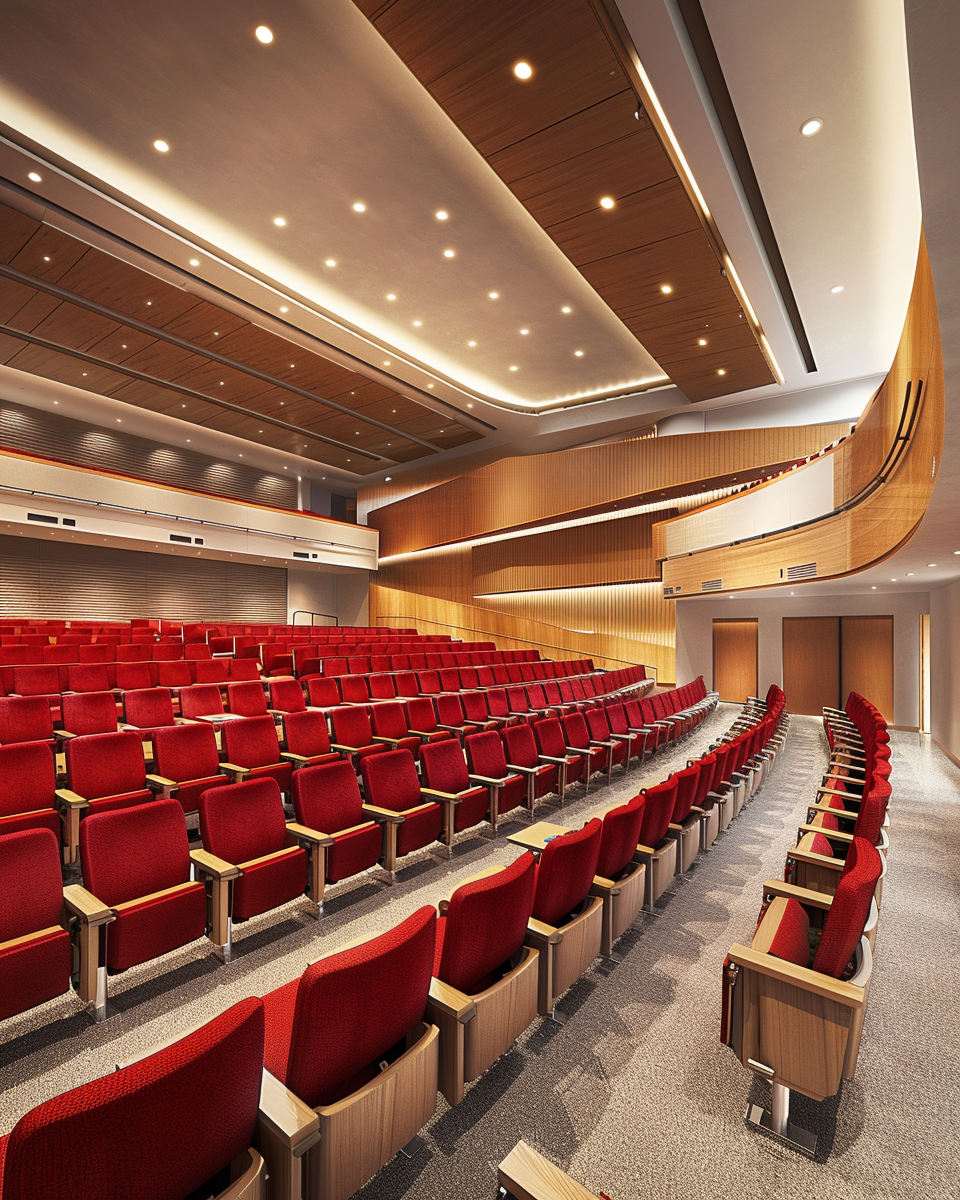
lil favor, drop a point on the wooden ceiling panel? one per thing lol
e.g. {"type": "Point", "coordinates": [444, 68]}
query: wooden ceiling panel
{"type": "Point", "coordinates": [222, 383]}
{"type": "Point", "coordinates": [163, 400]}
{"type": "Point", "coordinates": [49, 254]}
{"type": "Point", "coordinates": [16, 229]}
{"type": "Point", "coordinates": [117, 285]}
{"type": "Point", "coordinates": [13, 297]}
{"type": "Point", "coordinates": [10, 347]}
{"type": "Point", "coordinates": [744, 368]}
{"type": "Point", "coordinates": [681, 342]}
{"type": "Point", "coordinates": [206, 325]}
{"type": "Point", "coordinates": [73, 327]}
{"type": "Point", "coordinates": [122, 345]}
{"type": "Point", "coordinates": [361, 393]}
{"type": "Point", "coordinates": [395, 411]}
{"type": "Point", "coordinates": [36, 309]}
{"type": "Point", "coordinates": [64, 369]}
{"type": "Point", "coordinates": [656, 213]}
{"type": "Point", "coordinates": [163, 360]}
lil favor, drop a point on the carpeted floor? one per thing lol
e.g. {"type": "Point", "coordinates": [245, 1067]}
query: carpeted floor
{"type": "Point", "coordinates": [634, 1096]}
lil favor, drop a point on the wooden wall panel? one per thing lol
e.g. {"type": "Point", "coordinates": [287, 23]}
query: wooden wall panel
{"type": "Point", "coordinates": [811, 663]}
{"type": "Point", "coordinates": [735, 658]}
{"type": "Point", "coordinates": [541, 487]}
{"type": "Point", "coordinates": [65, 580]}
{"type": "Point", "coordinates": [866, 660]}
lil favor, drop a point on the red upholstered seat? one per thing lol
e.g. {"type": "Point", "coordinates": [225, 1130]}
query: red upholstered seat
{"type": "Point", "coordinates": [202, 702]}
{"type": "Point", "coordinates": [422, 720]}
{"type": "Point", "coordinates": [127, 857]}
{"type": "Point", "coordinates": [88, 677]}
{"type": "Point", "coordinates": [28, 780]}
{"type": "Point", "coordinates": [134, 676]}
{"type": "Point", "coordinates": [242, 823]}
{"type": "Point", "coordinates": [444, 769]}
{"type": "Point", "coordinates": [552, 744]}
{"type": "Point", "coordinates": [155, 1130]}
{"type": "Point", "coordinates": [578, 738]}
{"type": "Point", "coordinates": [389, 721]}
{"type": "Point", "coordinates": [89, 712]}
{"type": "Point", "coordinates": [687, 781]}
{"type": "Point", "coordinates": [352, 732]}
{"type": "Point", "coordinates": [390, 781]}
{"type": "Point", "coordinates": [243, 669]}
{"type": "Point", "coordinates": [565, 872]}
{"type": "Point", "coordinates": [327, 799]}
{"type": "Point", "coordinates": [475, 707]}
{"type": "Point", "coordinates": [484, 927]}
{"type": "Point", "coordinates": [306, 736]}
{"type": "Point", "coordinates": [620, 837]}
{"type": "Point", "coordinates": [328, 1031]}
{"type": "Point", "coordinates": [107, 770]}
{"type": "Point", "coordinates": [187, 754]}
{"type": "Point", "coordinates": [25, 719]}
{"type": "Point", "coordinates": [520, 749]}
{"type": "Point", "coordinates": [253, 743]}
{"type": "Point", "coordinates": [174, 674]}
{"type": "Point", "coordinates": [353, 689]}
{"type": "Point", "coordinates": [487, 761]}
{"type": "Point", "coordinates": [41, 682]}
{"type": "Point", "coordinates": [212, 670]}
{"type": "Point", "coordinates": [148, 709]}
{"type": "Point", "coordinates": [286, 696]}
{"type": "Point", "coordinates": [323, 693]}
{"type": "Point", "coordinates": [660, 801]}
{"type": "Point", "coordinates": [36, 967]}
{"type": "Point", "coordinates": [246, 699]}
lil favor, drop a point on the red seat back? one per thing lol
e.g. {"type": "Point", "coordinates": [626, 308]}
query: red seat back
{"type": "Point", "coordinates": [621, 835]}
{"type": "Point", "coordinates": [252, 742]}
{"type": "Point", "coordinates": [658, 811]}
{"type": "Point", "coordinates": [243, 821]}
{"type": "Point", "coordinates": [201, 700]}
{"type": "Point", "coordinates": [31, 887]}
{"type": "Point", "coordinates": [89, 712]}
{"type": "Point", "coordinates": [327, 797]}
{"type": "Point", "coordinates": [183, 752]}
{"type": "Point", "coordinates": [443, 766]}
{"type": "Point", "coordinates": [148, 708]}
{"type": "Point", "coordinates": [246, 699]}
{"type": "Point", "coordinates": [848, 913]}
{"type": "Point", "coordinates": [105, 764]}
{"type": "Point", "coordinates": [25, 719]}
{"type": "Point", "coordinates": [390, 780]}
{"type": "Point", "coordinates": [351, 727]}
{"type": "Point", "coordinates": [134, 852]}
{"type": "Point", "coordinates": [565, 872]}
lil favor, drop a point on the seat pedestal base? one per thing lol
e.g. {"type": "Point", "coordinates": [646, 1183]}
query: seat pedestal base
{"type": "Point", "coordinates": [778, 1124]}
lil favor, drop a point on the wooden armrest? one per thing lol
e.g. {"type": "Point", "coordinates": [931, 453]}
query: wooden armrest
{"type": "Point", "coordinates": [233, 769]}
{"type": "Point", "coordinates": [383, 814]}
{"type": "Point", "coordinates": [379, 738]}
{"type": "Point", "coordinates": [71, 799]}
{"type": "Point", "coordinates": [524, 770]}
{"type": "Point", "coordinates": [802, 854]}
{"type": "Point", "coordinates": [308, 835]}
{"type": "Point", "coordinates": [490, 780]}
{"type": "Point", "coordinates": [790, 891]}
{"type": "Point", "coordinates": [288, 1119]}
{"type": "Point", "coordinates": [184, 721]}
{"type": "Point", "coordinates": [642, 849]}
{"type": "Point", "coordinates": [832, 835]}
{"type": "Point", "coordinates": [352, 829]}
{"type": "Point", "coordinates": [294, 759]}
{"type": "Point", "coordinates": [526, 1173]}
{"type": "Point", "coordinates": [550, 758]}
{"type": "Point", "coordinates": [602, 886]}
{"type": "Point", "coordinates": [451, 1001]}
{"type": "Point", "coordinates": [802, 977]}
{"type": "Point", "coordinates": [833, 792]}
{"type": "Point", "coordinates": [450, 797]}
{"type": "Point", "coordinates": [157, 783]}
{"type": "Point", "coordinates": [583, 751]}
{"type": "Point", "coordinates": [418, 808]}
{"type": "Point", "coordinates": [547, 933]}
{"type": "Point", "coordinates": [348, 749]}
{"type": "Point", "coordinates": [62, 735]}
{"type": "Point", "coordinates": [453, 728]}
{"type": "Point", "coordinates": [209, 864]}
{"type": "Point", "coordinates": [420, 733]}
{"type": "Point", "coordinates": [86, 906]}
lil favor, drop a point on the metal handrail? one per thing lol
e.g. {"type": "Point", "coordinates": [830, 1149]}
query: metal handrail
{"type": "Point", "coordinates": [487, 634]}
{"type": "Point", "coordinates": [309, 613]}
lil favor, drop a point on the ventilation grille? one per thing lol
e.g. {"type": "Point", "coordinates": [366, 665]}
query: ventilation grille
{"type": "Point", "coordinates": [712, 585]}
{"type": "Point", "coordinates": [804, 571]}
{"type": "Point", "coordinates": [179, 537]}
{"type": "Point", "coordinates": [43, 517]}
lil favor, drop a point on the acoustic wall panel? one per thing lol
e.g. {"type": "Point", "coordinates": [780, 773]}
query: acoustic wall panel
{"type": "Point", "coordinates": [63, 580]}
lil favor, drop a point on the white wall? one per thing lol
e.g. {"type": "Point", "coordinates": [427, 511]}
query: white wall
{"type": "Point", "coordinates": [695, 636]}
{"type": "Point", "coordinates": [317, 590]}
{"type": "Point", "coordinates": [945, 667]}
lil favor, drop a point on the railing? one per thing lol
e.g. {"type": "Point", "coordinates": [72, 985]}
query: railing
{"type": "Point", "coordinates": [485, 633]}
{"type": "Point", "coordinates": [308, 613]}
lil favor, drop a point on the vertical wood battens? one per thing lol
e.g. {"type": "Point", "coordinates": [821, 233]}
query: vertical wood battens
{"type": "Point", "coordinates": [62, 580]}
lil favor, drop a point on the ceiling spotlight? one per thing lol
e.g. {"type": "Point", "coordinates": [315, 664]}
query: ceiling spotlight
{"type": "Point", "coordinates": [523, 70]}
{"type": "Point", "coordinates": [264, 34]}
{"type": "Point", "coordinates": [441, 215]}
{"type": "Point", "coordinates": [474, 343]}
{"type": "Point", "coordinates": [721, 371]}
{"type": "Point", "coordinates": [161, 145]}
{"type": "Point", "coordinates": [607, 202]}
{"type": "Point", "coordinates": [701, 341]}
{"type": "Point", "coordinates": [524, 331]}
{"type": "Point", "coordinates": [34, 176]}
{"type": "Point", "coordinates": [931, 564]}
{"type": "Point", "coordinates": [359, 206]}
{"type": "Point", "coordinates": [194, 262]}
{"type": "Point", "coordinates": [448, 254]}
{"type": "Point", "coordinates": [513, 368]}
{"type": "Point", "coordinates": [578, 353]}
{"type": "Point", "coordinates": [469, 406]}
{"type": "Point", "coordinates": [837, 288]}
{"type": "Point", "coordinates": [909, 574]}
{"type": "Point", "coordinates": [330, 262]}
{"type": "Point", "coordinates": [418, 323]}
{"type": "Point", "coordinates": [494, 295]}
{"type": "Point", "coordinates": [566, 308]}
{"type": "Point", "coordinates": [386, 362]}
{"type": "Point", "coordinates": [666, 289]}
{"type": "Point", "coordinates": [388, 478]}
{"type": "Point", "coordinates": [283, 308]}
{"type": "Point", "coordinates": [809, 128]}
{"type": "Point", "coordinates": [280, 221]}
{"type": "Point", "coordinates": [874, 588]}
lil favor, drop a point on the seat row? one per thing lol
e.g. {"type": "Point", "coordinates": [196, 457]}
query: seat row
{"type": "Point", "coordinates": [794, 1000]}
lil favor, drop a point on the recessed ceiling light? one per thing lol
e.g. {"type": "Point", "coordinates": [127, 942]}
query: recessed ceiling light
{"type": "Point", "coordinates": [836, 288]}
{"type": "Point", "coordinates": [701, 341]}
{"type": "Point", "coordinates": [46, 258]}
{"type": "Point", "coordinates": [721, 371]}
{"type": "Point", "coordinates": [386, 362]}
{"type": "Point", "coordinates": [241, 456]}
{"type": "Point", "coordinates": [524, 331]}
{"type": "Point", "coordinates": [118, 420]}
{"type": "Point", "coordinates": [474, 343]}
{"type": "Point", "coordinates": [283, 308]}
{"type": "Point", "coordinates": [666, 289]}
{"type": "Point", "coordinates": [909, 573]}
{"type": "Point", "coordinates": [448, 254]}
{"type": "Point", "coordinates": [931, 564]}
{"type": "Point", "coordinates": [388, 478]}
{"type": "Point", "coordinates": [124, 346]}
{"type": "Point", "coordinates": [194, 262]}
{"type": "Point", "coordinates": [34, 176]}
{"type": "Point", "coordinates": [893, 580]}
{"type": "Point", "coordinates": [429, 385]}
{"type": "Point", "coordinates": [874, 588]}
{"type": "Point", "coordinates": [84, 374]}
{"type": "Point", "coordinates": [264, 34]}
{"type": "Point", "coordinates": [523, 70]}
{"type": "Point", "coordinates": [391, 296]}
{"type": "Point", "coordinates": [469, 406]}
{"type": "Point", "coordinates": [494, 295]}
{"type": "Point", "coordinates": [513, 368]}
{"type": "Point", "coordinates": [161, 145]}
{"type": "Point", "coordinates": [566, 308]}
{"type": "Point", "coordinates": [809, 128]}
{"type": "Point", "coordinates": [330, 262]}
{"type": "Point", "coordinates": [578, 353]}
{"type": "Point", "coordinates": [607, 202]}
{"type": "Point", "coordinates": [149, 302]}
{"type": "Point", "coordinates": [359, 206]}
{"type": "Point", "coordinates": [441, 215]}
{"type": "Point", "coordinates": [280, 221]}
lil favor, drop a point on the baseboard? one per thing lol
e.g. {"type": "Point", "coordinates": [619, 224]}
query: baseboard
{"type": "Point", "coordinates": [905, 728]}
{"type": "Point", "coordinates": [953, 758]}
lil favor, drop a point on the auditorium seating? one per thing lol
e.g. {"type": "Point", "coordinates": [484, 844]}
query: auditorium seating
{"type": "Point", "coordinates": [186, 763]}
{"type": "Point", "coordinates": [104, 771]}
{"type": "Point", "coordinates": [163, 1126]}
{"type": "Point", "coordinates": [485, 986]}
{"type": "Point", "coordinates": [306, 739]}
{"type": "Point", "coordinates": [253, 750]}
{"type": "Point", "coordinates": [443, 770]}
{"type": "Point", "coordinates": [620, 880]}
{"type": "Point", "coordinates": [347, 1041]}
{"type": "Point", "coordinates": [488, 765]}
{"type": "Point", "coordinates": [391, 789]}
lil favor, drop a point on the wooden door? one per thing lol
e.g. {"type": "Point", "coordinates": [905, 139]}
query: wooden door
{"type": "Point", "coordinates": [735, 658]}
{"type": "Point", "coordinates": [811, 663]}
{"type": "Point", "coordinates": [866, 660]}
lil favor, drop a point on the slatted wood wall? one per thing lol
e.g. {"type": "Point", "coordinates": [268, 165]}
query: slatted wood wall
{"type": "Point", "coordinates": [65, 580]}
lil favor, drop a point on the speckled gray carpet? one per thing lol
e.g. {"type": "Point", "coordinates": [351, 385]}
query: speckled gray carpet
{"type": "Point", "coordinates": [634, 1096]}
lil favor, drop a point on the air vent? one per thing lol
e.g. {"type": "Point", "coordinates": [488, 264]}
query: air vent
{"type": "Point", "coordinates": [69, 521]}
{"type": "Point", "coordinates": [178, 537]}
{"type": "Point", "coordinates": [198, 541]}
{"type": "Point", "coordinates": [712, 585]}
{"type": "Point", "coordinates": [805, 571]}
{"type": "Point", "coordinates": [44, 518]}
{"type": "Point", "coordinates": [300, 554]}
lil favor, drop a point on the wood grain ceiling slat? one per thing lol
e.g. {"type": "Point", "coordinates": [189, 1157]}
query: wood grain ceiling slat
{"type": "Point", "coordinates": [121, 346]}
{"type": "Point", "coordinates": [222, 383]}
{"type": "Point", "coordinates": [125, 288]}
{"type": "Point", "coordinates": [361, 393]}
{"type": "Point", "coordinates": [36, 309]}
{"type": "Point", "coordinates": [49, 254]}
{"type": "Point", "coordinates": [73, 327]}
{"type": "Point", "coordinates": [13, 297]}
{"type": "Point", "coordinates": [206, 325]}
{"type": "Point", "coordinates": [631, 281]}
{"type": "Point", "coordinates": [16, 229]}
{"type": "Point", "coordinates": [161, 399]}
{"type": "Point", "coordinates": [64, 369]}
{"type": "Point", "coordinates": [163, 360]}
{"type": "Point", "coordinates": [10, 347]}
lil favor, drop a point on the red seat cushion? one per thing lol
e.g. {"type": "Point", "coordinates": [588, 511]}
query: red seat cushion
{"type": "Point", "coordinates": [266, 885]}
{"type": "Point", "coordinates": [791, 942]}
{"type": "Point", "coordinates": [353, 852]}
{"type": "Point", "coordinates": [156, 926]}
